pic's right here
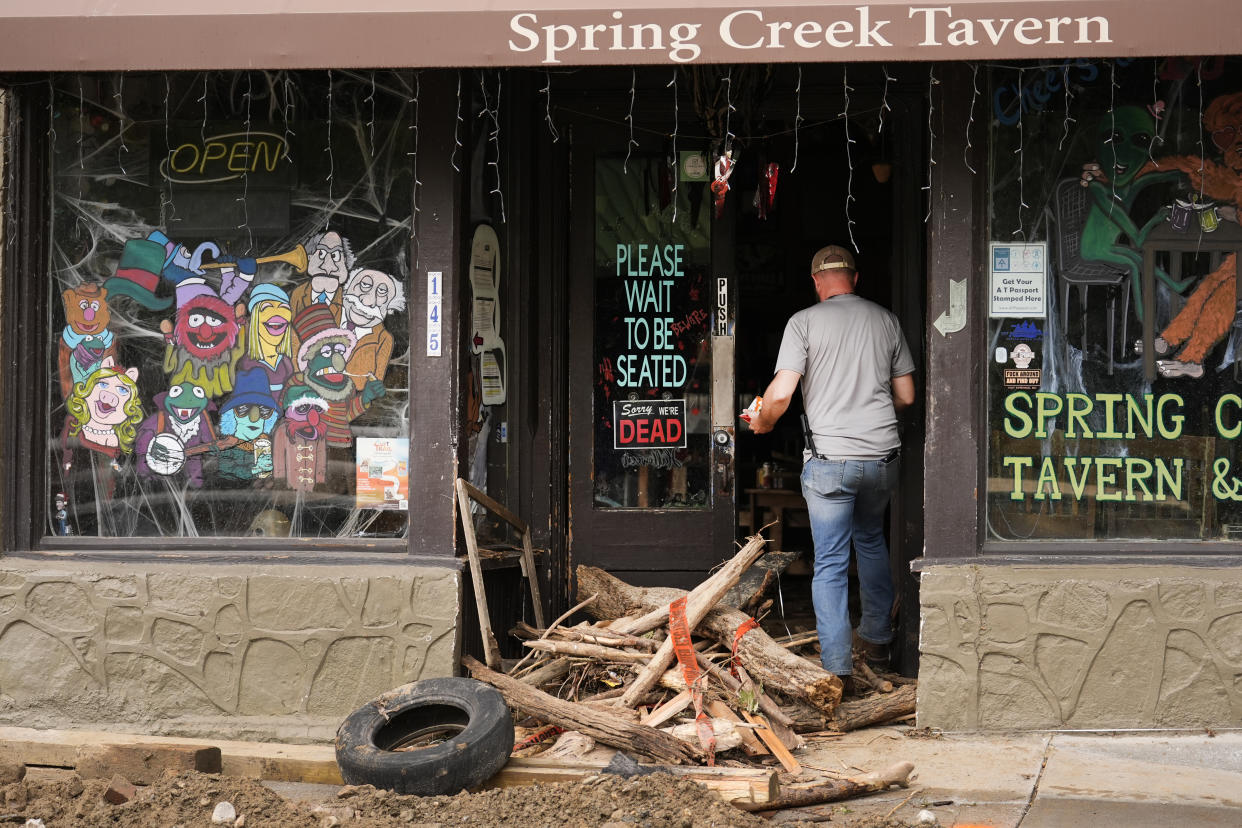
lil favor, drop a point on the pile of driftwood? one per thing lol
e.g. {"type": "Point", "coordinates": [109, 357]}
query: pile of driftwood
{"type": "Point", "coordinates": [656, 655]}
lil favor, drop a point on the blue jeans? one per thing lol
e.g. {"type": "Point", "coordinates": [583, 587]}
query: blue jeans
{"type": "Point", "coordinates": [846, 500]}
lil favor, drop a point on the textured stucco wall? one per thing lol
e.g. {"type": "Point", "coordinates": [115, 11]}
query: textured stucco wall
{"type": "Point", "coordinates": [1017, 647]}
{"type": "Point", "coordinates": [232, 651]}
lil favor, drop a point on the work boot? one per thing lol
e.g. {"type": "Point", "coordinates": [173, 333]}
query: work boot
{"type": "Point", "coordinates": [848, 687]}
{"type": "Point", "coordinates": [876, 655]}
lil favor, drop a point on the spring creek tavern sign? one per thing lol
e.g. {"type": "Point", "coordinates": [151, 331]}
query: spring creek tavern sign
{"type": "Point", "coordinates": [1157, 419]}
{"type": "Point", "coordinates": [740, 34]}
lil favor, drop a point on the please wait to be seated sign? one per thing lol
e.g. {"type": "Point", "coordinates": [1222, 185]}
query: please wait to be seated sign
{"type": "Point", "coordinates": [649, 424]}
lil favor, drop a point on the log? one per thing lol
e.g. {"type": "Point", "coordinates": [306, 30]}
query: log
{"type": "Point", "coordinates": [835, 790]}
{"type": "Point", "coordinates": [726, 576]}
{"type": "Point", "coordinates": [580, 650]}
{"type": "Point", "coordinates": [863, 671]}
{"type": "Point", "coordinates": [699, 601]}
{"type": "Point", "coordinates": [603, 727]}
{"type": "Point", "coordinates": [552, 671]}
{"type": "Point", "coordinates": [588, 635]}
{"type": "Point", "coordinates": [875, 709]}
{"type": "Point", "coordinates": [774, 666]}
{"type": "Point", "coordinates": [750, 742]}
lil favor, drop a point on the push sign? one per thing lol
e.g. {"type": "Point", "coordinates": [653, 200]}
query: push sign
{"type": "Point", "coordinates": [649, 424]}
{"type": "Point", "coordinates": [722, 305]}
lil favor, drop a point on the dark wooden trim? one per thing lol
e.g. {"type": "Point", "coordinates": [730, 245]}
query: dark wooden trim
{"type": "Point", "coordinates": [24, 413]}
{"type": "Point", "coordinates": [952, 455]}
{"type": "Point", "coordinates": [1153, 555]}
{"type": "Point", "coordinates": [436, 439]}
{"type": "Point", "coordinates": [249, 555]}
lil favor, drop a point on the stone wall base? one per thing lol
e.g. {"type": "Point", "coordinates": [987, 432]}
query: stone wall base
{"type": "Point", "coordinates": [1094, 647]}
{"type": "Point", "coordinates": [233, 651]}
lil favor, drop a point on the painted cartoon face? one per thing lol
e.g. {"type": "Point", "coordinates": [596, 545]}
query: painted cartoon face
{"type": "Point", "coordinates": [185, 402]}
{"type": "Point", "coordinates": [86, 309]}
{"type": "Point", "coordinates": [106, 402]}
{"type": "Point", "coordinates": [327, 263]}
{"type": "Point", "coordinates": [252, 421]}
{"type": "Point", "coordinates": [368, 296]}
{"type": "Point", "coordinates": [1223, 120]}
{"type": "Point", "coordinates": [272, 319]}
{"type": "Point", "coordinates": [206, 328]}
{"type": "Point", "coordinates": [325, 368]}
{"type": "Point", "coordinates": [1125, 142]}
{"type": "Point", "coordinates": [304, 409]}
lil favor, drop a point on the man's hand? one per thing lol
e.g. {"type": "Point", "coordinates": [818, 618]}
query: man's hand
{"type": "Point", "coordinates": [775, 400]}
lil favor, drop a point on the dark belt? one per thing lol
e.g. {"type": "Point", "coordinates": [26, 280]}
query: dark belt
{"type": "Point", "coordinates": [888, 458]}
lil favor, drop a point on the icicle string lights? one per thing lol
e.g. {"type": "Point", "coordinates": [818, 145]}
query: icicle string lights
{"type": "Point", "coordinates": [1021, 164]}
{"type": "Point", "coordinates": [675, 160]}
{"type": "Point", "coordinates": [331, 158]}
{"type": "Point", "coordinates": [849, 155]}
{"type": "Point", "coordinates": [797, 118]}
{"type": "Point", "coordinates": [932, 82]}
{"type": "Point", "coordinates": [1112, 116]}
{"type": "Point", "coordinates": [457, 128]}
{"type": "Point", "coordinates": [1202, 153]}
{"type": "Point", "coordinates": [245, 224]}
{"type": "Point", "coordinates": [370, 99]}
{"type": "Point", "coordinates": [120, 122]}
{"type": "Point", "coordinates": [493, 113]}
{"type": "Point", "coordinates": [547, 105]}
{"type": "Point", "coordinates": [166, 195]}
{"type": "Point", "coordinates": [51, 112]}
{"type": "Point", "coordinates": [1069, 93]}
{"type": "Point", "coordinates": [728, 136]}
{"type": "Point", "coordinates": [884, 105]}
{"type": "Point", "coordinates": [202, 130]}
{"type": "Point", "coordinates": [974, 96]}
{"type": "Point", "coordinates": [629, 119]}
{"type": "Point", "coordinates": [1155, 110]}
{"type": "Point", "coordinates": [414, 127]}
{"type": "Point", "coordinates": [287, 105]}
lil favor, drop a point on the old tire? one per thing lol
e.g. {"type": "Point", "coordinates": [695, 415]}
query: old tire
{"type": "Point", "coordinates": [464, 725]}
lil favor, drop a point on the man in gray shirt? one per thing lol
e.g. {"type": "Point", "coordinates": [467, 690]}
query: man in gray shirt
{"type": "Point", "coordinates": [856, 373]}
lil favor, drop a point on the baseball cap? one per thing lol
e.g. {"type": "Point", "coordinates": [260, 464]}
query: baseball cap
{"type": "Point", "coordinates": [832, 257]}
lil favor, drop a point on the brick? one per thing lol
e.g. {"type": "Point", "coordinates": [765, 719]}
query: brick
{"type": "Point", "coordinates": [120, 790]}
{"type": "Point", "coordinates": [143, 764]}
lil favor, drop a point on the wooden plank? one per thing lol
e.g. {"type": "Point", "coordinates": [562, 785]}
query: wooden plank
{"type": "Point", "coordinates": [749, 785]}
{"type": "Point", "coordinates": [252, 760]}
{"type": "Point", "coordinates": [491, 647]}
{"type": "Point", "coordinates": [667, 710]}
{"type": "Point", "coordinates": [751, 745]}
{"type": "Point", "coordinates": [787, 760]}
{"type": "Point", "coordinates": [523, 529]}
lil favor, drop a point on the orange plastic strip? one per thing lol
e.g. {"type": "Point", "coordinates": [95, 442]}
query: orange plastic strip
{"type": "Point", "coordinates": [683, 648]}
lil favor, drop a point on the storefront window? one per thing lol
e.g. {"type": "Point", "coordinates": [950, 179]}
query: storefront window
{"type": "Point", "coordinates": [1115, 341]}
{"type": "Point", "coordinates": [228, 341]}
{"type": "Point", "coordinates": [652, 350]}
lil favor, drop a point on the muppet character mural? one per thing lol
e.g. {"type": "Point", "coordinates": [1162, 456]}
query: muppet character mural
{"type": "Point", "coordinates": [86, 341]}
{"type": "Point", "coordinates": [104, 411]}
{"type": "Point", "coordinates": [322, 358]}
{"type": "Point", "coordinates": [173, 439]}
{"type": "Point", "coordinates": [300, 451]}
{"type": "Point", "coordinates": [370, 296]}
{"type": "Point", "coordinates": [269, 336]}
{"type": "Point", "coordinates": [203, 346]}
{"type": "Point", "coordinates": [1210, 308]}
{"type": "Point", "coordinates": [99, 433]}
{"type": "Point", "coordinates": [249, 415]}
{"type": "Point", "coordinates": [329, 260]}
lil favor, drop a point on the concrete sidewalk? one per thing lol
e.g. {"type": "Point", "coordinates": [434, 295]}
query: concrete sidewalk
{"type": "Point", "coordinates": [1044, 780]}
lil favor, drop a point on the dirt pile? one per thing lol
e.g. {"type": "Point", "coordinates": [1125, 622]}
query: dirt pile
{"type": "Point", "coordinates": [188, 799]}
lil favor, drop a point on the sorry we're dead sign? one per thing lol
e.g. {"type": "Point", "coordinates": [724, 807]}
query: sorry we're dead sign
{"type": "Point", "coordinates": [649, 424]}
